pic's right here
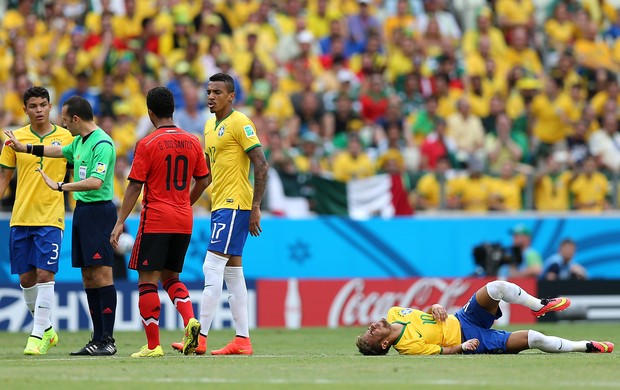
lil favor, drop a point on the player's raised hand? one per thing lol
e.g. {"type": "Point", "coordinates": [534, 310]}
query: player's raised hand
{"type": "Point", "coordinates": [470, 345]}
{"type": "Point", "coordinates": [48, 180]}
{"type": "Point", "coordinates": [13, 142]}
{"type": "Point", "coordinates": [439, 312]}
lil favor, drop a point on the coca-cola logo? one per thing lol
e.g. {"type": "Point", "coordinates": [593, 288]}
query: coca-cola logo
{"type": "Point", "coordinates": [353, 305]}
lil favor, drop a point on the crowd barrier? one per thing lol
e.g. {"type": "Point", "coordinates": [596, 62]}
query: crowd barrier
{"type": "Point", "coordinates": [418, 246]}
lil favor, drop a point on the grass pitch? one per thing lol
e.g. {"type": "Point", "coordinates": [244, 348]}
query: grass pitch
{"type": "Point", "coordinates": [306, 358]}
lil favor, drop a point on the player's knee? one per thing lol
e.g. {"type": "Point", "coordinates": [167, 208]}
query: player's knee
{"type": "Point", "coordinates": [44, 276]}
{"type": "Point", "coordinates": [213, 263]}
{"type": "Point", "coordinates": [495, 290]}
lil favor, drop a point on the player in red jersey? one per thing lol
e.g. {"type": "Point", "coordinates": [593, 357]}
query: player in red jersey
{"type": "Point", "coordinates": [164, 164]}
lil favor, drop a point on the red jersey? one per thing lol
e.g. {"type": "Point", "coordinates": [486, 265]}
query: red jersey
{"type": "Point", "coordinates": [165, 162]}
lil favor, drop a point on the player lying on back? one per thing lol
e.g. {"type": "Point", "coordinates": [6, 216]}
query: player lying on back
{"type": "Point", "coordinates": [414, 332]}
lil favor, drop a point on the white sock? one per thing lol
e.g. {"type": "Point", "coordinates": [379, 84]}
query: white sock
{"type": "Point", "coordinates": [554, 344]}
{"type": "Point", "coordinates": [238, 299]}
{"type": "Point", "coordinates": [213, 268]}
{"type": "Point", "coordinates": [43, 308]}
{"type": "Point", "coordinates": [30, 297]}
{"type": "Point", "coordinates": [501, 290]}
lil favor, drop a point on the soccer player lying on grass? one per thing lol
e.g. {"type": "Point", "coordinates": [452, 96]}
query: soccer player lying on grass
{"type": "Point", "coordinates": [414, 332]}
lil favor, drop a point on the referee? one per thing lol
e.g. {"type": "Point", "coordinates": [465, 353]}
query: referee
{"type": "Point", "coordinates": [93, 155]}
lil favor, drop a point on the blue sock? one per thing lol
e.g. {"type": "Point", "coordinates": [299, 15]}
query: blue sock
{"type": "Point", "coordinates": [107, 296]}
{"type": "Point", "coordinates": [94, 306]}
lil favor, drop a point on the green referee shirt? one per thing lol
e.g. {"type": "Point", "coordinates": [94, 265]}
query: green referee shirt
{"type": "Point", "coordinates": [93, 156]}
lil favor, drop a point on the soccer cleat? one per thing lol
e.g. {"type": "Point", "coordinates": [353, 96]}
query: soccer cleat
{"type": "Point", "coordinates": [599, 347]}
{"type": "Point", "coordinates": [190, 339]}
{"type": "Point", "coordinates": [87, 350]}
{"type": "Point", "coordinates": [551, 304]}
{"type": "Point", "coordinates": [239, 346]}
{"type": "Point", "coordinates": [200, 349]}
{"type": "Point", "coordinates": [50, 339]}
{"type": "Point", "coordinates": [106, 346]}
{"type": "Point", "coordinates": [35, 346]}
{"type": "Point", "coordinates": [146, 352]}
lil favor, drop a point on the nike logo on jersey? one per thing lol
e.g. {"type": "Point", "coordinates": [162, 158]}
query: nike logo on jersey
{"type": "Point", "coordinates": [51, 262]}
{"type": "Point", "coordinates": [215, 242]}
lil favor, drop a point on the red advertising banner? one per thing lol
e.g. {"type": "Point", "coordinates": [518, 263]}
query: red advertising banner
{"type": "Point", "coordinates": [295, 303]}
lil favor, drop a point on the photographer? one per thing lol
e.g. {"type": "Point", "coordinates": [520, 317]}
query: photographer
{"type": "Point", "coordinates": [531, 266]}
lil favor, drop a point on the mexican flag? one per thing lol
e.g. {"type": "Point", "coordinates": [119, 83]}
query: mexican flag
{"type": "Point", "coordinates": [381, 195]}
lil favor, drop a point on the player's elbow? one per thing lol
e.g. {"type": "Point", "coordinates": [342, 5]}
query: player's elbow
{"type": "Point", "coordinates": [96, 184]}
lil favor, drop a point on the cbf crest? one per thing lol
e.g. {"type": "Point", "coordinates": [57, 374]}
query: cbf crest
{"type": "Point", "coordinates": [404, 312]}
{"type": "Point", "coordinates": [56, 143]}
{"type": "Point", "coordinates": [220, 131]}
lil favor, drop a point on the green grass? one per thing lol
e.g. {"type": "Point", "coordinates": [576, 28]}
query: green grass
{"type": "Point", "coordinates": [306, 358]}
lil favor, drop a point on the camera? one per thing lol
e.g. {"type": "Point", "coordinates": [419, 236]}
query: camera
{"type": "Point", "coordinates": [489, 257]}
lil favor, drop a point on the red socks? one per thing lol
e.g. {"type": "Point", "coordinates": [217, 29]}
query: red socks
{"type": "Point", "coordinates": [149, 306]}
{"type": "Point", "coordinates": [180, 297]}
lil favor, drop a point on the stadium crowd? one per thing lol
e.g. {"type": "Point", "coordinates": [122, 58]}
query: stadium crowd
{"type": "Point", "coordinates": [478, 105]}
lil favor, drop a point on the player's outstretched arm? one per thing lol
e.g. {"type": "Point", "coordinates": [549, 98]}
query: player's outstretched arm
{"type": "Point", "coordinates": [38, 150]}
{"type": "Point", "coordinates": [469, 345]}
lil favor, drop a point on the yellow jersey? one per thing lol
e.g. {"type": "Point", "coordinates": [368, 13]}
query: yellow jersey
{"type": "Point", "coordinates": [590, 189]}
{"type": "Point", "coordinates": [509, 191]}
{"type": "Point", "coordinates": [422, 334]}
{"type": "Point", "coordinates": [346, 167]}
{"type": "Point", "coordinates": [428, 187]}
{"type": "Point", "coordinates": [226, 145]}
{"type": "Point", "coordinates": [474, 193]}
{"type": "Point", "coordinates": [549, 126]}
{"type": "Point", "coordinates": [35, 203]}
{"type": "Point", "coordinates": [551, 192]}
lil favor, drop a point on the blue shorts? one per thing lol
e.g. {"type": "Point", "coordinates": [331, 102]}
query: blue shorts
{"type": "Point", "coordinates": [476, 323]}
{"type": "Point", "coordinates": [229, 230]}
{"type": "Point", "coordinates": [92, 226]}
{"type": "Point", "coordinates": [33, 247]}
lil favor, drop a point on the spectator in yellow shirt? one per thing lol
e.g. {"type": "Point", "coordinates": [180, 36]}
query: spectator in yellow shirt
{"type": "Point", "coordinates": [549, 110]}
{"type": "Point", "coordinates": [560, 29]}
{"type": "Point", "coordinates": [551, 186]}
{"type": "Point", "coordinates": [501, 147]}
{"type": "Point", "coordinates": [402, 20]}
{"type": "Point", "coordinates": [593, 53]}
{"type": "Point", "coordinates": [507, 190]}
{"type": "Point", "coordinates": [590, 188]}
{"type": "Point", "coordinates": [484, 28]}
{"type": "Point", "coordinates": [515, 13]}
{"type": "Point", "coordinates": [353, 163]}
{"type": "Point", "coordinates": [431, 189]}
{"type": "Point", "coordinates": [471, 192]}
{"type": "Point", "coordinates": [520, 53]}
{"type": "Point", "coordinates": [612, 91]}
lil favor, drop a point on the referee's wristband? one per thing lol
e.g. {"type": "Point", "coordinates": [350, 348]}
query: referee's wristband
{"type": "Point", "coordinates": [37, 150]}
{"type": "Point", "coordinates": [60, 184]}
{"type": "Point", "coordinates": [29, 148]}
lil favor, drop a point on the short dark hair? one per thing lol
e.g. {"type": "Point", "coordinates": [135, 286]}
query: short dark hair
{"type": "Point", "coordinates": [77, 105]}
{"type": "Point", "coordinates": [368, 349]}
{"type": "Point", "coordinates": [36, 92]}
{"type": "Point", "coordinates": [226, 79]}
{"type": "Point", "coordinates": [161, 102]}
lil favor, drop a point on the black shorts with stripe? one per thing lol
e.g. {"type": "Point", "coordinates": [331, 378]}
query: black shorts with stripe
{"type": "Point", "coordinates": [159, 251]}
{"type": "Point", "coordinates": [90, 236]}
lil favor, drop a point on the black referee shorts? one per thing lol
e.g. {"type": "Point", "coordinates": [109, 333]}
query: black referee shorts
{"type": "Point", "coordinates": [92, 225]}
